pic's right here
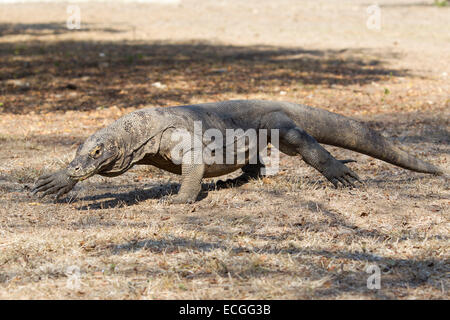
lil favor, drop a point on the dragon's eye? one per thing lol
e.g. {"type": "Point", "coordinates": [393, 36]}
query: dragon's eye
{"type": "Point", "coordinates": [96, 152]}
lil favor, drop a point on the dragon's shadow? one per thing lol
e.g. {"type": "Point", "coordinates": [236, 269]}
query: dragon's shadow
{"type": "Point", "coordinates": [114, 200]}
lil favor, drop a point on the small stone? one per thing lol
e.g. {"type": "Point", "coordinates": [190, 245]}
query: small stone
{"type": "Point", "coordinates": [159, 85]}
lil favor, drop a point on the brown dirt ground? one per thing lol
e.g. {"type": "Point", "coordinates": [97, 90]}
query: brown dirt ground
{"type": "Point", "coordinates": [291, 236]}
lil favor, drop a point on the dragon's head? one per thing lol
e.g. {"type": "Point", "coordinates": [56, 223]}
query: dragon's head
{"type": "Point", "coordinates": [95, 155]}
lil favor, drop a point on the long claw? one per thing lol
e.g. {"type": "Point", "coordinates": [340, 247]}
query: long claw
{"type": "Point", "coordinates": [349, 181]}
{"type": "Point", "coordinates": [51, 190]}
{"type": "Point", "coordinates": [347, 161]}
{"type": "Point", "coordinates": [334, 182]}
{"type": "Point", "coordinates": [354, 176]}
{"type": "Point", "coordinates": [40, 184]}
{"type": "Point", "coordinates": [342, 180]}
{"type": "Point", "coordinates": [62, 192]}
{"type": "Point", "coordinates": [46, 187]}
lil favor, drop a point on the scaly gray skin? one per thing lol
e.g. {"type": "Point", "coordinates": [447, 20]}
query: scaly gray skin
{"type": "Point", "coordinates": [144, 137]}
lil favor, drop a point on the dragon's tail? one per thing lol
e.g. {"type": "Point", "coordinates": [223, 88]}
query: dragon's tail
{"type": "Point", "coordinates": [337, 130]}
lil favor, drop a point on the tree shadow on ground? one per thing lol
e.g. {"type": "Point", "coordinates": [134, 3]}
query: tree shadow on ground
{"type": "Point", "coordinates": [395, 272]}
{"type": "Point", "coordinates": [39, 29]}
{"type": "Point", "coordinates": [411, 5]}
{"type": "Point", "coordinates": [85, 75]}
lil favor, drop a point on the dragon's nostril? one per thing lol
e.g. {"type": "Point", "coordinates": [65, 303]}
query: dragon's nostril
{"type": "Point", "coordinates": [77, 169]}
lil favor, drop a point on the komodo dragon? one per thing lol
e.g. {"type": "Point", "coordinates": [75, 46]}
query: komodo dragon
{"type": "Point", "coordinates": [143, 137]}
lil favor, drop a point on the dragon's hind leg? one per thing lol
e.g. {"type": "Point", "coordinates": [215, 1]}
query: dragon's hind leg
{"type": "Point", "coordinates": [295, 141]}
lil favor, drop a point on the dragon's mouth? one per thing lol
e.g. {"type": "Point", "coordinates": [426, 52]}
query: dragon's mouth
{"type": "Point", "coordinates": [92, 171]}
{"type": "Point", "coordinates": [82, 177]}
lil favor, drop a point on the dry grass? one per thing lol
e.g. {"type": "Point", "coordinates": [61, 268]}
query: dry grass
{"type": "Point", "coordinates": [291, 236]}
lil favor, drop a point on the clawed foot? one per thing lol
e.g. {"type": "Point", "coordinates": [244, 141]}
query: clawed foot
{"type": "Point", "coordinates": [183, 199]}
{"type": "Point", "coordinates": [58, 182]}
{"type": "Point", "coordinates": [232, 183]}
{"type": "Point", "coordinates": [239, 181]}
{"type": "Point", "coordinates": [337, 172]}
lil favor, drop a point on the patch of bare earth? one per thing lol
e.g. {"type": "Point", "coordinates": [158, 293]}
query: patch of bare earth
{"type": "Point", "coordinates": [291, 236]}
